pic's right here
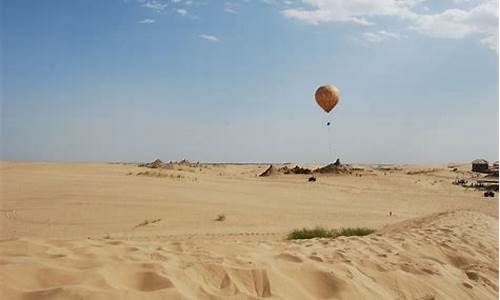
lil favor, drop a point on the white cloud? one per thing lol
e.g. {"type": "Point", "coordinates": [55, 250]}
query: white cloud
{"type": "Point", "coordinates": [491, 42]}
{"type": "Point", "coordinates": [147, 21]}
{"type": "Point", "coordinates": [379, 36]}
{"type": "Point", "coordinates": [231, 8]}
{"type": "Point", "coordinates": [208, 37]}
{"type": "Point", "coordinates": [355, 11]}
{"type": "Point", "coordinates": [481, 20]}
{"type": "Point", "coordinates": [155, 5]}
{"type": "Point", "coordinates": [477, 18]}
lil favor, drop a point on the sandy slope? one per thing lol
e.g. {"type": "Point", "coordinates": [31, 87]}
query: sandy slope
{"type": "Point", "coordinates": [70, 231]}
{"type": "Point", "coordinates": [446, 256]}
{"type": "Point", "coordinates": [93, 200]}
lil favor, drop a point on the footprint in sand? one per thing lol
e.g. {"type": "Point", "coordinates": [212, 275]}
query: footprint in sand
{"type": "Point", "coordinates": [289, 257]}
{"type": "Point", "coordinates": [145, 281]}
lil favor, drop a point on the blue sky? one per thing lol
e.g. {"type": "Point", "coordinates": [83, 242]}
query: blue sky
{"type": "Point", "coordinates": [114, 80]}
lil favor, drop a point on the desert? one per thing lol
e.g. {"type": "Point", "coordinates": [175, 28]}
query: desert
{"type": "Point", "coordinates": [244, 150]}
{"type": "Point", "coordinates": [219, 231]}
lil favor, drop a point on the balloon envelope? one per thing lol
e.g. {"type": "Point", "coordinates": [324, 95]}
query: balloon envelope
{"type": "Point", "coordinates": [327, 96]}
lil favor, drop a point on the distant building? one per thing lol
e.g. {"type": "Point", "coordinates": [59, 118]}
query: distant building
{"type": "Point", "coordinates": [480, 165]}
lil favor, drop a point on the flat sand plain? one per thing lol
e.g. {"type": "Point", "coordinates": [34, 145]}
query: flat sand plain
{"type": "Point", "coordinates": [100, 231]}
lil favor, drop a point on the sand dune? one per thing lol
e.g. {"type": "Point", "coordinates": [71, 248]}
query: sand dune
{"type": "Point", "coordinates": [451, 255]}
{"type": "Point", "coordinates": [69, 200]}
{"type": "Point", "coordinates": [100, 231]}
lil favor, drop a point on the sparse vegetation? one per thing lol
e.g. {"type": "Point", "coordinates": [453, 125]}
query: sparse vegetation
{"type": "Point", "coordinates": [220, 218]}
{"type": "Point", "coordinates": [161, 175]}
{"type": "Point", "coordinates": [388, 168]}
{"type": "Point", "coordinates": [146, 222]}
{"type": "Point", "coordinates": [424, 171]}
{"type": "Point", "coordinates": [304, 233]}
{"type": "Point", "coordinates": [320, 232]}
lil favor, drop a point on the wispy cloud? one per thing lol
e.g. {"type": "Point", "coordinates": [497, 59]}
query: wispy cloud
{"type": "Point", "coordinates": [491, 42]}
{"type": "Point", "coordinates": [208, 37]}
{"type": "Point", "coordinates": [379, 36]}
{"type": "Point", "coordinates": [231, 8]}
{"type": "Point", "coordinates": [462, 19]}
{"type": "Point", "coordinates": [480, 18]}
{"type": "Point", "coordinates": [147, 21]}
{"type": "Point", "coordinates": [353, 11]}
{"type": "Point", "coordinates": [155, 5]}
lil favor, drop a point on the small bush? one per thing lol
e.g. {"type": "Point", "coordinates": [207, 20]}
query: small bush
{"type": "Point", "coordinates": [424, 171]}
{"type": "Point", "coordinates": [146, 222]}
{"type": "Point", "coordinates": [304, 233]}
{"type": "Point", "coordinates": [220, 218]}
{"type": "Point", "coordinates": [161, 175]}
{"type": "Point", "coordinates": [354, 231]}
{"type": "Point", "coordinates": [320, 232]}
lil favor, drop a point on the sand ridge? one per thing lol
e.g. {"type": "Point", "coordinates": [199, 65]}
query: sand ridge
{"type": "Point", "coordinates": [452, 255]}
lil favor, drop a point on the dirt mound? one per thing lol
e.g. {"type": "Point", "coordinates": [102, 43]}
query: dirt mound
{"type": "Point", "coordinates": [157, 164]}
{"type": "Point", "coordinates": [153, 165]}
{"type": "Point", "coordinates": [284, 170]}
{"type": "Point", "coordinates": [300, 170]}
{"type": "Point", "coordinates": [186, 163]}
{"type": "Point", "coordinates": [269, 171]}
{"type": "Point", "coordinates": [335, 168]}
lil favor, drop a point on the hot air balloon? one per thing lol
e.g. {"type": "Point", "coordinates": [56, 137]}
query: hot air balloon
{"type": "Point", "coordinates": [327, 97]}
